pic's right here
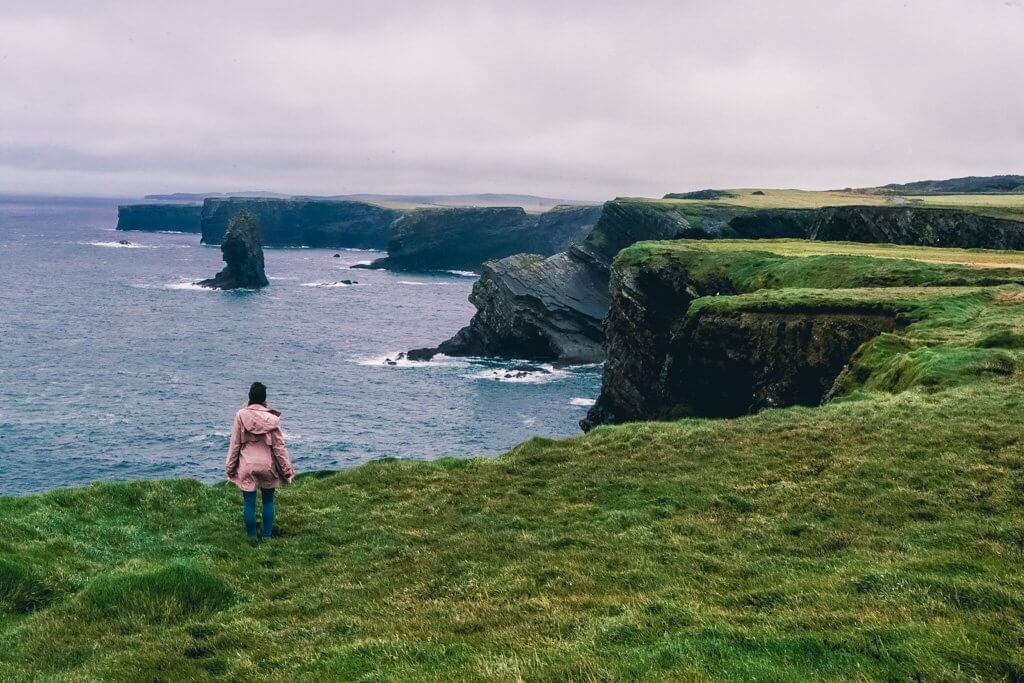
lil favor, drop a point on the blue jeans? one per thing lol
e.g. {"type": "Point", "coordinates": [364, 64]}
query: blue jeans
{"type": "Point", "coordinates": [249, 512]}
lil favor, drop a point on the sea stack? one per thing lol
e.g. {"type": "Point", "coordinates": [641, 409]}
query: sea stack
{"type": "Point", "coordinates": [242, 248]}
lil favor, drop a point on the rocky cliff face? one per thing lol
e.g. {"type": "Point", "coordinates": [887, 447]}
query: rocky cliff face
{"type": "Point", "coordinates": [464, 238]}
{"type": "Point", "coordinates": [664, 361]}
{"type": "Point", "coordinates": [176, 217]}
{"type": "Point", "coordinates": [727, 363]}
{"type": "Point", "coordinates": [735, 362]}
{"type": "Point", "coordinates": [552, 308]}
{"type": "Point", "coordinates": [771, 224]}
{"type": "Point", "coordinates": [533, 307]}
{"type": "Point", "coordinates": [917, 226]}
{"type": "Point", "coordinates": [303, 222]}
{"type": "Point", "coordinates": [242, 250]}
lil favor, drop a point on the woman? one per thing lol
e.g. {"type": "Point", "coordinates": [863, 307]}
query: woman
{"type": "Point", "coordinates": [257, 458]}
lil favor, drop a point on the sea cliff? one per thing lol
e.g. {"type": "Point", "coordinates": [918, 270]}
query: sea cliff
{"type": "Point", "coordinates": [463, 238]}
{"type": "Point", "coordinates": [303, 222]}
{"type": "Point", "coordinates": [774, 326]}
{"type": "Point", "coordinates": [160, 217]}
{"type": "Point", "coordinates": [547, 309]}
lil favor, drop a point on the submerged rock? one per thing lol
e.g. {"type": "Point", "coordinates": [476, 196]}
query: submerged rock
{"type": "Point", "coordinates": [421, 354]}
{"type": "Point", "coordinates": [242, 250]}
{"type": "Point", "coordinates": [527, 368]}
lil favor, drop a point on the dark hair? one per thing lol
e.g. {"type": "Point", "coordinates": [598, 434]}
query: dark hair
{"type": "Point", "coordinates": [257, 393]}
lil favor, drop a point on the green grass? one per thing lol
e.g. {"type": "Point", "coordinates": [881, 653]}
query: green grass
{"type": "Point", "coordinates": [749, 265]}
{"type": "Point", "coordinates": [878, 537]}
{"type": "Point", "coordinates": [1009, 206]}
{"type": "Point", "coordinates": [978, 258]}
{"type": "Point", "coordinates": [867, 539]}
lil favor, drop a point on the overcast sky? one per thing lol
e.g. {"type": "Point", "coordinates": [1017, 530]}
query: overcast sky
{"type": "Point", "coordinates": [574, 99]}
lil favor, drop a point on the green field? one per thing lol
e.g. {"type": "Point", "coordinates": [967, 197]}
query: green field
{"type": "Point", "coordinates": [981, 258]}
{"type": "Point", "coordinates": [997, 205]}
{"type": "Point", "coordinates": [879, 537]}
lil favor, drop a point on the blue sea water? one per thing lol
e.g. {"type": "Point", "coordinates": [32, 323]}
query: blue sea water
{"type": "Point", "coordinates": [113, 366]}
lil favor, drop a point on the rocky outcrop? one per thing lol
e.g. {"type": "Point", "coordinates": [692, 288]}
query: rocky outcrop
{"type": "Point", "coordinates": [157, 217]}
{"type": "Point", "coordinates": [916, 226]}
{"type": "Point", "coordinates": [552, 308]}
{"type": "Point", "coordinates": [464, 238]}
{"type": "Point", "coordinates": [730, 362]}
{"type": "Point", "coordinates": [303, 222]}
{"type": "Point", "coordinates": [242, 250]}
{"type": "Point", "coordinates": [533, 307]}
{"type": "Point", "coordinates": [735, 362]}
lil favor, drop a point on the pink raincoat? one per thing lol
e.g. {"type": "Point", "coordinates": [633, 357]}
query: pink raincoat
{"type": "Point", "coordinates": [257, 457]}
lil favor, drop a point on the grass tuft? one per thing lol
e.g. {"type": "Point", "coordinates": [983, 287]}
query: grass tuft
{"type": "Point", "coordinates": [168, 593]}
{"type": "Point", "coordinates": [22, 587]}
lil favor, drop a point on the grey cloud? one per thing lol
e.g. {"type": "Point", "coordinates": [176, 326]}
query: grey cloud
{"type": "Point", "coordinates": [576, 99]}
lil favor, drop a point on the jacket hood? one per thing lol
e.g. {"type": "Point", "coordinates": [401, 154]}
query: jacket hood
{"type": "Point", "coordinates": [257, 419]}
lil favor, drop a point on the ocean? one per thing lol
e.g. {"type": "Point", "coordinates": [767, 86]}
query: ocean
{"type": "Point", "coordinates": [114, 366]}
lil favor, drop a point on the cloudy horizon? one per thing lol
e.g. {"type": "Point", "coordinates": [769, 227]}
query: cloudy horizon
{"type": "Point", "coordinates": [578, 100]}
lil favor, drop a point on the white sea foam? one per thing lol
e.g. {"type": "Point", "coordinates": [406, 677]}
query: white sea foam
{"type": "Point", "coordinates": [582, 402]}
{"type": "Point", "coordinates": [116, 245]}
{"type": "Point", "coordinates": [289, 277]}
{"type": "Point", "coordinates": [191, 286]}
{"type": "Point", "coordinates": [518, 376]}
{"type": "Point", "coordinates": [439, 360]}
{"type": "Point", "coordinates": [463, 273]}
{"type": "Point", "coordinates": [423, 284]}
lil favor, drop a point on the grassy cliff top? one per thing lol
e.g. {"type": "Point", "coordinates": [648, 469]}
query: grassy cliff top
{"type": "Point", "coordinates": [997, 205]}
{"type": "Point", "coordinates": [987, 259]}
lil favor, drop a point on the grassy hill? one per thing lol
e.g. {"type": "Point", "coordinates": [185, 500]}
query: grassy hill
{"type": "Point", "coordinates": [877, 537]}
